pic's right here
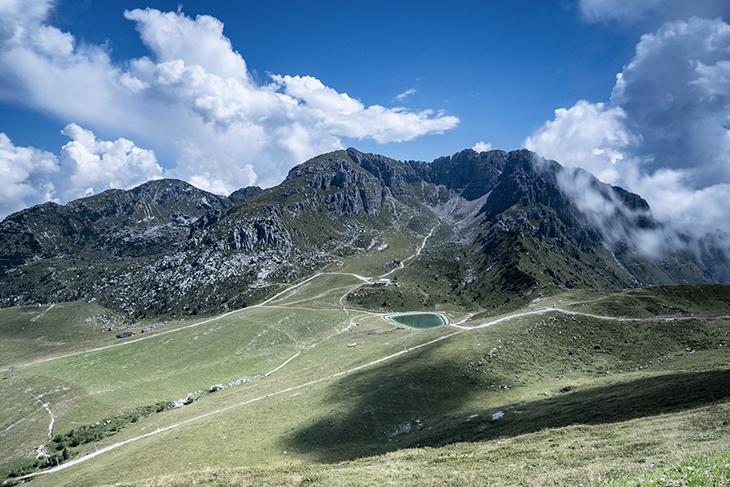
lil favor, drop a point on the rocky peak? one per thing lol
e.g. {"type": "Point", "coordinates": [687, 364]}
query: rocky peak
{"type": "Point", "coordinates": [527, 180]}
{"type": "Point", "coordinates": [334, 182]}
{"type": "Point", "coordinates": [391, 173]}
{"type": "Point", "coordinates": [244, 194]}
{"type": "Point", "coordinates": [334, 169]}
{"type": "Point", "coordinates": [144, 220]}
{"type": "Point", "coordinates": [472, 174]}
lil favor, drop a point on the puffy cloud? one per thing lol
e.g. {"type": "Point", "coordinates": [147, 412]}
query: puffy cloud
{"type": "Point", "coordinates": [92, 165]}
{"type": "Point", "coordinates": [676, 95]}
{"type": "Point", "coordinates": [192, 99]}
{"type": "Point", "coordinates": [86, 166]}
{"type": "Point", "coordinates": [20, 13]}
{"type": "Point", "coordinates": [200, 42]}
{"type": "Point", "coordinates": [665, 133]}
{"type": "Point", "coordinates": [26, 175]}
{"type": "Point", "coordinates": [317, 96]}
{"type": "Point", "coordinates": [482, 146]}
{"type": "Point", "coordinates": [591, 136]}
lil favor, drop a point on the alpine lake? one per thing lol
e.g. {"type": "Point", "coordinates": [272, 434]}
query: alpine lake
{"type": "Point", "coordinates": [419, 320]}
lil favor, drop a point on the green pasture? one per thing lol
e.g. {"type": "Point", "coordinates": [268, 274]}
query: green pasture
{"type": "Point", "coordinates": [352, 429]}
{"type": "Point", "coordinates": [708, 300]}
{"type": "Point", "coordinates": [389, 249]}
{"type": "Point", "coordinates": [169, 365]}
{"type": "Point", "coordinates": [543, 399]}
{"type": "Point", "coordinates": [322, 292]}
{"type": "Point", "coordinates": [35, 333]}
{"type": "Point", "coordinates": [31, 334]}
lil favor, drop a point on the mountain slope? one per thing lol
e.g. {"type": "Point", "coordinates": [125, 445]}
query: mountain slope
{"type": "Point", "coordinates": [507, 228]}
{"type": "Point", "coordinates": [56, 253]}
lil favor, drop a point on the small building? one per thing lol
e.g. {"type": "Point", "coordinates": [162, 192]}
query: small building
{"type": "Point", "coordinates": [126, 334]}
{"type": "Point", "coordinates": [383, 282]}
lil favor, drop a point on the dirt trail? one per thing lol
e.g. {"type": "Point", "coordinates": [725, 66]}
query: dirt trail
{"type": "Point", "coordinates": [418, 251]}
{"type": "Point", "coordinates": [41, 448]}
{"type": "Point", "coordinates": [33, 320]}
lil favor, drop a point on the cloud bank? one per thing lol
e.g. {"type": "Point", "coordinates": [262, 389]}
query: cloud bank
{"type": "Point", "coordinates": [86, 166]}
{"type": "Point", "coordinates": [666, 132]}
{"type": "Point", "coordinates": [192, 97]}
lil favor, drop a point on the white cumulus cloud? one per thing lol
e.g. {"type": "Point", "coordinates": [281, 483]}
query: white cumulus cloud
{"type": "Point", "coordinates": [587, 135]}
{"type": "Point", "coordinates": [86, 166]}
{"type": "Point", "coordinates": [665, 133]}
{"type": "Point", "coordinates": [191, 99]}
{"type": "Point", "coordinates": [26, 174]}
{"type": "Point", "coordinates": [91, 165]}
{"type": "Point", "coordinates": [482, 146]}
{"type": "Point", "coordinates": [200, 42]}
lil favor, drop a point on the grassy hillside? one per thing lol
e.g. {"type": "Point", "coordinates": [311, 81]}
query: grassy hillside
{"type": "Point", "coordinates": [305, 390]}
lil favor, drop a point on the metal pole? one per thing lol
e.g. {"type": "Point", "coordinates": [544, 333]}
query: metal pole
{"type": "Point", "coordinates": [84, 349]}
{"type": "Point", "coordinates": [95, 448]}
{"type": "Point", "coordinates": [158, 425]}
{"type": "Point", "coordinates": [252, 395]}
{"type": "Point", "coordinates": [12, 371]}
{"type": "Point", "coordinates": [404, 347]}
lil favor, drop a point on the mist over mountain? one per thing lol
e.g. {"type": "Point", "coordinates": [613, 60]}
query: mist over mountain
{"type": "Point", "coordinates": [507, 227]}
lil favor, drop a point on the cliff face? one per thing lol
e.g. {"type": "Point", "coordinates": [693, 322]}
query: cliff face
{"type": "Point", "coordinates": [516, 224]}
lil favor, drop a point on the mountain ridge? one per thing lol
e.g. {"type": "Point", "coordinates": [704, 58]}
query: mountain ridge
{"type": "Point", "coordinates": [166, 248]}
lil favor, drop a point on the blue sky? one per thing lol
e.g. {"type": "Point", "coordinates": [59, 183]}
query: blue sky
{"type": "Point", "coordinates": [226, 94]}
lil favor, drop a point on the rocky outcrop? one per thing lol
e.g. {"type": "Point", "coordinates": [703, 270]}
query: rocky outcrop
{"type": "Point", "coordinates": [472, 174]}
{"type": "Point", "coordinates": [244, 194]}
{"type": "Point", "coordinates": [530, 182]}
{"type": "Point", "coordinates": [260, 234]}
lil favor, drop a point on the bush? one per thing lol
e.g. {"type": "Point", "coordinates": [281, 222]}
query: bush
{"type": "Point", "coordinates": [106, 427]}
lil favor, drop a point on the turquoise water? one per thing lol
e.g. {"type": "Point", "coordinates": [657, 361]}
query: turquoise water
{"type": "Point", "coordinates": [422, 320]}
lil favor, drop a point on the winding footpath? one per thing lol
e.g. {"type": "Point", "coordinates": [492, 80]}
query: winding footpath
{"type": "Point", "coordinates": [418, 251]}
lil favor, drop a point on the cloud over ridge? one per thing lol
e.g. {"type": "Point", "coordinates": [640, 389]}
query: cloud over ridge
{"type": "Point", "coordinates": [193, 94]}
{"type": "Point", "coordinates": [665, 134]}
{"type": "Point", "coordinates": [86, 165]}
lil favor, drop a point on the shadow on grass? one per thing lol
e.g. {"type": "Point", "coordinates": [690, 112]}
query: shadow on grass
{"type": "Point", "coordinates": [409, 403]}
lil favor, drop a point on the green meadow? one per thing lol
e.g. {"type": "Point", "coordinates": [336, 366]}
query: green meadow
{"type": "Point", "coordinates": [624, 388]}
